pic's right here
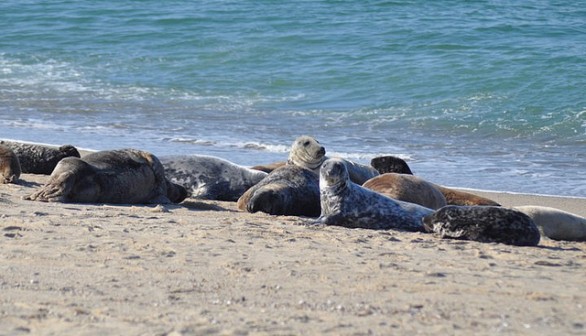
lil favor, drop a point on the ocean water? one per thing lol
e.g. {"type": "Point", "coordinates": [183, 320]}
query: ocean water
{"type": "Point", "coordinates": [476, 94]}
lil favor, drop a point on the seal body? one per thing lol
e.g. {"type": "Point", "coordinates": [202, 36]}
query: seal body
{"type": "Point", "coordinates": [556, 224]}
{"type": "Point", "coordinates": [208, 177]}
{"type": "Point", "coordinates": [39, 159]}
{"type": "Point", "coordinates": [267, 168]}
{"type": "Point", "coordinates": [287, 190]}
{"type": "Point", "coordinates": [126, 176]}
{"type": "Point", "coordinates": [308, 153]}
{"type": "Point", "coordinates": [483, 224]}
{"type": "Point", "coordinates": [345, 203]}
{"type": "Point", "coordinates": [390, 164]}
{"type": "Point", "coordinates": [408, 188]}
{"type": "Point", "coordinates": [458, 197]}
{"type": "Point", "coordinates": [9, 165]}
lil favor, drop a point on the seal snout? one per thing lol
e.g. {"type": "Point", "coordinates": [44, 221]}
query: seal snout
{"type": "Point", "coordinates": [321, 151]}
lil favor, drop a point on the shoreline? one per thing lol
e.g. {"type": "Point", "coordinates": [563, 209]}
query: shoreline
{"type": "Point", "coordinates": [203, 267]}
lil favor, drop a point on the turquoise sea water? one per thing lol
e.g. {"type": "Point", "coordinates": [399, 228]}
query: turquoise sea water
{"type": "Point", "coordinates": [477, 94]}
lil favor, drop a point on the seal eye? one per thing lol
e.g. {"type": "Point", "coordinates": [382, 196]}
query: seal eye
{"type": "Point", "coordinates": [306, 143]}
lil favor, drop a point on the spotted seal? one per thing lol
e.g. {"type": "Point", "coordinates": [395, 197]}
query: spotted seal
{"type": "Point", "coordinates": [287, 190]}
{"type": "Point", "coordinates": [308, 153]}
{"type": "Point", "coordinates": [556, 224]}
{"type": "Point", "coordinates": [408, 188]}
{"type": "Point", "coordinates": [39, 159]}
{"type": "Point", "coordinates": [209, 177]}
{"type": "Point", "coordinates": [126, 176]}
{"type": "Point", "coordinates": [483, 224]}
{"type": "Point", "coordinates": [345, 203]}
{"type": "Point", "coordinates": [9, 165]}
{"type": "Point", "coordinates": [390, 164]}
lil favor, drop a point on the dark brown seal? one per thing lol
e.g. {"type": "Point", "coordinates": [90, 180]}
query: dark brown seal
{"type": "Point", "coordinates": [9, 165]}
{"type": "Point", "coordinates": [408, 188]}
{"type": "Point", "coordinates": [390, 164]}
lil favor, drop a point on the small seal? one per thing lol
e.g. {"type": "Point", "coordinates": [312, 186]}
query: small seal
{"type": "Point", "coordinates": [39, 159]}
{"type": "Point", "coordinates": [9, 165]}
{"type": "Point", "coordinates": [125, 176]}
{"type": "Point", "coordinates": [209, 177]}
{"type": "Point", "coordinates": [308, 153]}
{"type": "Point", "coordinates": [289, 190]}
{"type": "Point", "coordinates": [458, 197]}
{"type": "Point", "coordinates": [556, 224]}
{"type": "Point", "coordinates": [483, 224]}
{"type": "Point", "coordinates": [347, 204]}
{"type": "Point", "coordinates": [390, 164]}
{"type": "Point", "coordinates": [408, 188]}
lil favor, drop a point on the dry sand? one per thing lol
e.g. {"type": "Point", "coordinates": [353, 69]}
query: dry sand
{"type": "Point", "coordinates": [204, 268]}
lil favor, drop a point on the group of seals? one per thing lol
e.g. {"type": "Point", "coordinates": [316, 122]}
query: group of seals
{"type": "Point", "coordinates": [126, 176]}
{"type": "Point", "coordinates": [211, 178]}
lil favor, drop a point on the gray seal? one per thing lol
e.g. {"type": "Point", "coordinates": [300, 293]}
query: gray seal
{"type": "Point", "coordinates": [408, 188]}
{"type": "Point", "coordinates": [9, 165]}
{"type": "Point", "coordinates": [288, 190]}
{"type": "Point", "coordinates": [556, 224]}
{"type": "Point", "coordinates": [308, 153]}
{"type": "Point", "coordinates": [125, 176]}
{"type": "Point", "coordinates": [39, 159]}
{"type": "Point", "coordinates": [483, 224]}
{"type": "Point", "coordinates": [209, 177]}
{"type": "Point", "coordinates": [345, 203]}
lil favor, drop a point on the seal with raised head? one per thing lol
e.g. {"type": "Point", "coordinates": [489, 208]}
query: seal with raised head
{"type": "Point", "coordinates": [126, 176]}
{"type": "Point", "coordinates": [308, 153]}
{"type": "Point", "coordinates": [484, 224]}
{"type": "Point", "coordinates": [39, 159]}
{"type": "Point", "coordinates": [288, 190]}
{"type": "Point", "coordinates": [408, 188]}
{"type": "Point", "coordinates": [9, 165]}
{"type": "Point", "coordinates": [209, 177]}
{"type": "Point", "coordinates": [459, 197]}
{"type": "Point", "coordinates": [390, 164]}
{"type": "Point", "coordinates": [345, 203]}
{"type": "Point", "coordinates": [555, 223]}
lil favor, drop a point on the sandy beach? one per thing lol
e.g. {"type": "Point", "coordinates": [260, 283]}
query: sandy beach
{"type": "Point", "coordinates": [202, 268]}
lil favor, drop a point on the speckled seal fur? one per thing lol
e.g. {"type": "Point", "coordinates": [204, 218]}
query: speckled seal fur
{"type": "Point", "coordinates": [39, 159]}
{"type": "Point", "coordinates": [308, 153]}
{"type": "Point", "coordinates": [483, 224]}
{"type": "Point", "coordinates": [9, 165]}
{"type": "Point", "coordinates": [287, 190]}
{"type": "Point", "coordinates": [125, 176]}
{"type": "Point", "coordinates": [345, 203]}
{"type": "Point", "coordinates": [408, 188]}
{"type": "Point", "coordinates": [211, 178]}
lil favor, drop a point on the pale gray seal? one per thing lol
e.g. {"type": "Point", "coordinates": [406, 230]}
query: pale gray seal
{"type": "Point", "coordinates": [345, 203]}
{"type": "Point", "coordinates": [390, 164]}
{"type": "Point", "coordinates": [126, 176]}
{"type": "Point", "coordinates": [287, 190]}
{"type": "Point", "coordinates": [408, 188]}
{"type": "Point", "coordinates": [209, 177]}
{"type": "Point", "coordinates": [9, 165]}
{"type": "Point", "coordinates": [556, 224]}
{"type": "Point", "coordinates": [39, 159]}
{"type": "Point", "coordinates": [483, 224]}
{"type": "Point", "coordinates": [459, 197]}
{"type": "Point", "coordinates": [308, 153]}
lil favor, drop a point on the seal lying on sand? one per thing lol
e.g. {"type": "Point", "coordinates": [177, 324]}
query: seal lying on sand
{"type": "Point", "coordinates": [483, 224]}
{"type": "Point", "coordinates": [458, 197]}
{"type": "Point", "coordinates": [390, 164]}
{"type": "Point", "coordinates": [408, 188]}
{"type": "Point", "coordinates": [39, 159]}
{"type": "Point", "coordinates": [267, 168]}
{"type": "Point", "coordinates": [307, 152]}
{"type": "Point", "coordinates": [208, 177]}
{"type": "Point", "coordinates": [556, 224]}
{"type": "Point", "coordinates": [126, 176]}
{"type": "Point", "coordinates": [287, 190]}
{"type": "Point", "coordinates": [347, 204]}
{"type": "Point", "coordinates": [9, 165]}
